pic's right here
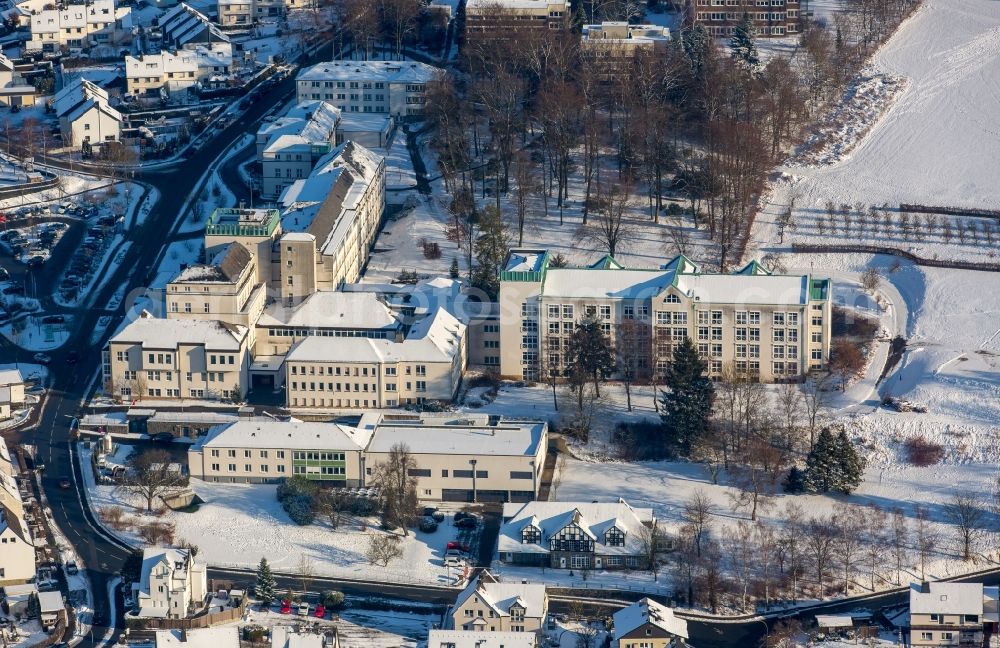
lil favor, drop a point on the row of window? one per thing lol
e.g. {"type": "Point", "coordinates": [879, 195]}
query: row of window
{"type": "Point", "coordinates": [300, 370]}
{"type": "Point", "coordinates": [280, 454]}
{"type": "Point", "coordinates": [248, 468]}
{"type": "Point", "coordinates": [419, 385]}
{"type": "Point", "coordinates": [354, 85]}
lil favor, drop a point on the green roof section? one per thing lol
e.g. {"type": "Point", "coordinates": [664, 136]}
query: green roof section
{"type": "Point", "coordinates": [753, 268]}
{"type": "Point", "coordinates": [525, 265]}
{"type": "Point", "coordinates": [234, 221]}
{"type": "Point", "coordinates": [607, 262]}
{"type": "Point", "coordinates": [819, 289]}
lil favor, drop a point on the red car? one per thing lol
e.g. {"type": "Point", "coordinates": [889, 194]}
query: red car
{"type": "Point", "coordinates": [459, 546]}
{"type": "Point", "coordinates": [320, 611]}
{"type": "Point", "coordinates": [286, 607]}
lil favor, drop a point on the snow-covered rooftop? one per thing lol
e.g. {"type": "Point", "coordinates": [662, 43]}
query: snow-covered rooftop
{"type": "Point", "coordinates": [333, 310]}
{"type": "Point", "coordinates": [501, 596]}
{"type": "Point", "coordinates": [223, 637]}
{"type": "Point", "coordinates": [473, 639]}
{"type": "Point", "coordinates": [436, 338]}
{"type": "Point", "coordinates": [157, 333]}
{"type": "Point", "coordinates": [460, 437]}
{"type": "Point", "coordinates": [384, 71]}
{"type": "Point", "coordinates": [286, 637]}
{"type": "Point", "coordinates": [10, 377]}
{"type": "Point", "coordinates": [593, 518]}
{"type": "Point", "coordinates": [290, 435]}
{"type": "Point", "coordinates": [516, 4]}
{"type": "Point", "coordinates": [646, 611]}
{"type": "Point", "coordinates": [305, 124]}
{"type": "Point", "coordinates": [226, 267]}
{"type": "Point", "coordinates": [946, 598]}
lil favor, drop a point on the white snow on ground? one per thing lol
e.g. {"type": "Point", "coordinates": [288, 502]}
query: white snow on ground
{"type": "Point", "coordinates": [33, 335]}
{"type": "Point", "coordinates": [196, 217]}
{"type": "Point", "coordinates": [250, 517]}
{"type": "Point", "coordinates": [398, 163]}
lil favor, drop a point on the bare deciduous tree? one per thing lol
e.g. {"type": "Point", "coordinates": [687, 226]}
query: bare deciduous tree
{"type": "Point", "coordinates": [383, 549]}
{"type": "Point", "coordinates": [697, 516]}
{"type": "Point", "coordinates": [152, 474]}
{"type": "Point", "coordinates": [967, 513]}
{"type": "Point", "coordinates": [397, 488]}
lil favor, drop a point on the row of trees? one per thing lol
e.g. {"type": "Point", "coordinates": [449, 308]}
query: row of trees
{"type": "Point", "coordinates": [394, 23]}
{"type": "Point", "coordinates": [850, 549]}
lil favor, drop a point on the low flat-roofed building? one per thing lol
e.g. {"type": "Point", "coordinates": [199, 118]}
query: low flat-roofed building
{"type": "Point", "coordinates": [222, 637]}
{"type": "Point", "coordinates": [463, 457]}
{"type": "Point", "coordinates": [268, 451]}
{"type": "Point", "coordinates": [506, 18]}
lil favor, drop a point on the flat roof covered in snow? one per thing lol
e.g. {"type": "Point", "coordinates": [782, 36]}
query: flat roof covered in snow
{"type": "Point", "coordinates": [507, 438]}
{"type": "Point", "coordinates": [291, 435]}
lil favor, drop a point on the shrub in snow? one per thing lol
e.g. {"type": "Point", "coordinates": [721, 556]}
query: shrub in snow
{"type": "Point", "coordinates": [922, 452]}
{"type": "Point", "coordinates": [333, 600]}
{"type": "Point", "coordinates": [300, 509]}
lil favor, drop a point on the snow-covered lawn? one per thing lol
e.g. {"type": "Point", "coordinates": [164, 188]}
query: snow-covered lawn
{"type": "Point", "coordinates": [32, 334]}
{"type": "Point", "coordinates": [239, 523]}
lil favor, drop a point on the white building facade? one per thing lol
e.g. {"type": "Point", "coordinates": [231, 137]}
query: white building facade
{"type": "Point", "coordinates": [392, 87]}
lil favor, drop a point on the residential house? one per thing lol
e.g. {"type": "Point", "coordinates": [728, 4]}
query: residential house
{"type": "Point", "coordinates": [52, 609]}
{"type": "Point", "coordinates": [721, 17]}
{"type": "Point", "coordinates": [245, 13]}
{"type": "Point", "coordinates": [11, 392]}
{"type": "Point", "coordinates": [576, 535]}
{"type": "Point", "coordinates": [457, 458]}
{"type": "Point", "coordinates": [195, 65]}
{"type": "Point", "coordinates": [154, 358]}
{"type": "Point", "coordinates": [489, 605]}
{"type": "Point", "coordinates": [171, 585]}
{"type": "Point", "coordinates": [183, 24]}
{"type": "Point", "coordinates": [480, 639]}
{"type": "Point", "coordinates": [14, 90]}
{"type": "Point", "coordinates": [389, 87]}
{"type": "Point", "coordinates": [647, 624]}
{"type": "Point", "coordinates": [289, 147]}
{"type": "Point", "coordinates": [772, 327]}
{"type": "Point", "coordinates": [99, 22]}
{"type": "Point", "coordinates": [17, 547]}
{"type": "Point", "coordinates": [85, 115]}
{"type": "Point", "coordinates": [221, 637]}
{"type": "Point", "coordinates": [952, 614]}
{"type": "Point", "coordinates": [506, 18]}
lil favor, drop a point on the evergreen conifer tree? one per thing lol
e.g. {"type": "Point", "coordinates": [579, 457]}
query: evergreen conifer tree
{"type": "Point", "coordinates": [851, 466]}
{"type": "Point", "coordinates": [687, 400]}
{"type": "Point", "coordinates": [264, 589]}
{"type": "Point", "coordinates": [821, 464]}
{"type": "Point", "coordinates": [743, 46]}
{"type": "Point", "coordinates": [454, 271]}
{"type": "Point", "coordinates": [795, 482]}
{"type": "Point", "coordinates": [589, 353]}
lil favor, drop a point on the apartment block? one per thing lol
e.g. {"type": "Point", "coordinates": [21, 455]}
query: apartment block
{"type": "Point", "coordinates": [771, 327]}
{"type": "Point", "coordinates": [155, 358]}
{"type": "Point", "coordinates": [289, 147]}
{"type": "Point", "coordinates": [501, 18]}
{"type": "Point", "coordinates": [769, 17]}
{"type": "Point", "coordinates": [391, 87]}
{"type": "Point", "coordinates": [467, 458]}
{"type": "Point", "coordinates": [952, 614]}
{"type": "Point", "coordinates": [489, 605]}
{"type": "Point", "coordinates": [621, 41]}
{"type": "Point", "coordinates": [99, 22]}
{"type": "Point", "coordinates": [244, 13]}
{"type": "Point", "coordinates": [194, 65]}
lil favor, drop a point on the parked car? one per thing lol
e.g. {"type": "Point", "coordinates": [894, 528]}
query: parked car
{"type": "Point", "coordinates": [467, 523]}
{"type": "Point", "coordinates": [428, 525]}
{"type": "Point", "coordinates": [433, 513]}
{"type": "Point", "coordinates": [461, 515]}
{"type": "Point", "coordinates": [454, 561]}
{"type": "Point", "coordinates": [303, 609]}
{"type": "Point", "coordinates": [42, 358]}
{"type": "Point", "coordinates": [320, 611]}
{"type": "Point", "coordinates": [286, 607]}
{"type": "Point", "coordinates": [71, 568]}
{"type": "Point", "coordinates": [458, 546]}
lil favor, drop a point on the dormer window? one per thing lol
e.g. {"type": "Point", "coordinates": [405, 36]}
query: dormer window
{"type": "Point", "coordinates": [672, 299]}
{"type": "Point", "coordinates": [531, 535]}
{"type": "Point", "coordinates": [614, 537]}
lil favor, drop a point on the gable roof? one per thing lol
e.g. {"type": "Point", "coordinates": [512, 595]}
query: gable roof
{"type": "Point", "coordinates": [502, 596]}
{"type": "Point", "coordinates": [593, 518]}
{"type": "Point", "coordinates": [646, 611]}
{"type": "Point", "coordinates": [227, 266]}
{"type": "Point", "coordinates": [946, 598]}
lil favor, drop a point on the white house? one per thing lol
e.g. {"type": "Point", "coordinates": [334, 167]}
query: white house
{"type": "Point", "coordinates": [171, 584]}
{"type": "Point", "coordinates": [393, 87]}
{"type": "Point", "coordinates": [85, 114]}
{"type": "Point", "coordinates": [11, 391]}
{"type": "Point", "coordinates": [79, 25]}
{"type": "Point", "coordinates": [289, 147]}
{"type": "Point", "coordinates": [489, 605]}
{"type": "Point", "coordinates": [196, 64]}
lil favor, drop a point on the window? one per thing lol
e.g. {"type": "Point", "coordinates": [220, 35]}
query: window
{"type": "Point", "coordinates": [531, 535]}
{"type": "Point", "coordinates": [926, 636]}
{"type": "Point", "coordinates": [716, 317]}
{"type": "Point", "coordinates": [672, 299]}
{"type": "Point", "coordinates": [703, 317]}
{"type": "Point", "coordinates": [741, 317]}
{"type": "Point", "coordinates": [779, 319]}
{"type": "Point", "coordinates": [614, 537]}
{"type": "Point", "coordinates": [553, 311]}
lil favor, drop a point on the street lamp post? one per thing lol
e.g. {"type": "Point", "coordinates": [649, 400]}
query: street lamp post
{"type": "Point", "coordinates": [474, 497]}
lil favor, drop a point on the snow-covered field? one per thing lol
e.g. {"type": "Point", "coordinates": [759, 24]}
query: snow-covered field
{"type": "Point", "coordinates": [249, 516]}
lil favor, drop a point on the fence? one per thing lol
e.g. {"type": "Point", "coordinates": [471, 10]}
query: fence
{"type": "Point", "coordinates": [202, 621]}
{"type": "Point", "coordinates": [876, 249]}
{"type": "Point", "coordinates": [28, 188]}
{"type": "Point", "coordinates": [950, 211]}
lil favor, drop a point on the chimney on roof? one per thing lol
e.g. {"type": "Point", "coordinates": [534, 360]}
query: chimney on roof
{"type": "Point", "coordinates": [925, 587]}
